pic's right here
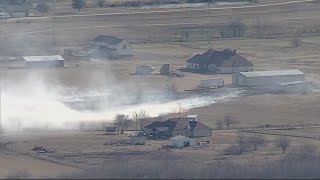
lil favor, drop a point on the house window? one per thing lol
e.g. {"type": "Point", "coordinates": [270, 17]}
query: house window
{"type": "Point", "coordinates": [124, 47]}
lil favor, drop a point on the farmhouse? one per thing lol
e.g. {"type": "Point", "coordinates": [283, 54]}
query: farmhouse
{"type": "Point", "coordinates": [188, 126]}
{"type": "Point", "coordinates": [223, 62]}
{"type": "Point", "coordinates": [267, 78]}
{"type": "Point", "coordinates": [43, 61]}
{"type": "Point", "coordinates": [110, 47]}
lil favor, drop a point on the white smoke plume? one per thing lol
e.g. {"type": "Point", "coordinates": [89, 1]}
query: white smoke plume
{"type": "Point", "coordinates": [34, 104]}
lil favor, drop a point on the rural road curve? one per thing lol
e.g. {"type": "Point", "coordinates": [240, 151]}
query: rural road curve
{"type": "Point", "coordinates": [145, 25]}
{"type": "Point", "coordinates": [167, 11]}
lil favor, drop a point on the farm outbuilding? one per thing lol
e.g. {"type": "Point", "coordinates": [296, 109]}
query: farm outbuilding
{"type": "Point", "coordinates": [144, 70]}
{"type": "Point", "coordinates": [209, 83]}
{"type": "Point", "coordinates": [267, 78]}
{"type": "Point", "coordinates": [182, 141]}
{"type": "Point", "coordinates": [43, 61]}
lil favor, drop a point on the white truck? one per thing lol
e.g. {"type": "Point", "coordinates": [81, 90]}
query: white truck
{"type": "Point", "coordinates": [212, 83]}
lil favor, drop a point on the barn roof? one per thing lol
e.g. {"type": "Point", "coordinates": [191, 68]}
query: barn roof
{"type": "Point", "coordinates": [225, 58]}
{"type": "Point", "coordinates": [293, 82]}
{"type": "Point", "coordinates": [43, 58]}
{"type": "Point", "coordinates": [177, 124]}
{"type": "Point", "coordinates": [113, 40]}
{"type": "Point", "coordinates": [272, 73]}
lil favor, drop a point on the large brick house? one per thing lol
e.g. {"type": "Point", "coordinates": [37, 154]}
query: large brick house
{"type": "Point", "coordinates": [221, 62]}
{"type": "Point", "coordinates": [188, 126]}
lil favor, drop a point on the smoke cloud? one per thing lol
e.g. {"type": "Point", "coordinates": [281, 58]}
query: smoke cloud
{"type": "Point", "coordinates": [32, 103]}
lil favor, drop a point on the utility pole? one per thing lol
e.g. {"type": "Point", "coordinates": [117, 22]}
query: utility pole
{"type": "Point", "coordinates": [0, 99]}
{"type": "Point", "coordinates": [1, 69]}
{"type": "Point", "coordinates": [258, 27]}
{"type": "Point", "coordinates": [54, 22]}
{"type": "Point", "coordinates": [209, 7]}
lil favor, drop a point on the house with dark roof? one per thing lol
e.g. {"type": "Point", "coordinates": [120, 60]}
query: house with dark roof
{"type": "Point", "coordinates": [222, 62]}
{"type": "Point", "coordinates": [110, 47]}
{"type": "Point", "coordinates": [189, 127]}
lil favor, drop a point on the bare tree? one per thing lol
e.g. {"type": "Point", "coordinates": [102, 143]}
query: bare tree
{"type": "Point", "coordinates": [296, 42]}
{"type": "Point", "coordinates": [160, 117]}
{"type": "Point", "coordinates": [135, 117]}
{"type": "Point", "coordinates": [122, 122]}
{"type": "Point", "coordinates": [219, 124]}
{"type": "Point", "coordinates": [256, 140]}
{"type": "Point", "coordinates": [143, 119]}
{"type": "Point", "coordinates": [101, 3]}
{"type": "Point", "coordinates": [233, 30]}
{"type": "Point", "coordinates": [43, 7]}
{"type": "Point", "coordinates": [282, 143]}
{"type": "Point", "coordinates": [229, 120]}
{"type": "Point", "coordinates": [241, 145]}
{"type": "Point", "coordinates": [243, 141]}
{"type": "Point", "coordinates": [78, 4]}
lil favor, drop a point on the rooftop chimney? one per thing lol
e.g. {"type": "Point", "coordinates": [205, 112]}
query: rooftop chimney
{"type": "Point", "coordinates": [192, 117]}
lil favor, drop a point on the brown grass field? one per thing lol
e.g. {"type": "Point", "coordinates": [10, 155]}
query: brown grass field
{"type": "Point", "coordinates": [77, 150]}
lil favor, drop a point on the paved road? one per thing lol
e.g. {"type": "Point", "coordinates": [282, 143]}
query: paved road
{"type": "Point", "coordinates": [146, 25]}
{"type": "Point", "coordinates": [167, 11]}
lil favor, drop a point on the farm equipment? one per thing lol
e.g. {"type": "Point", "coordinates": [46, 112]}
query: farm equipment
{"type": "Point", "coordinates": [41, 149]}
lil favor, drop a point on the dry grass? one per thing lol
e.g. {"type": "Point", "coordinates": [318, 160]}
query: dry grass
{"type": "Point", "coordinates": [87, 149]}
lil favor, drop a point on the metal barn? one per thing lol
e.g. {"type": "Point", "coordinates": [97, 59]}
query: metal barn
{"type": "Point", "coordinates": [267, 78]}
{"type": "Point", "coordinates": [43, 61]}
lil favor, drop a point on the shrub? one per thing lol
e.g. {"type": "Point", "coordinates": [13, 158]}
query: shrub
{"type": "Point", "coordinates": [296, 42]}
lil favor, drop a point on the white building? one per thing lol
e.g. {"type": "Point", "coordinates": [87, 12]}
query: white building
{"type": "Point", "coordinates": [267, 78]}
{"type": "Point", "coordinates": [182, 141]}
{"type": "Point", "coordinates": [43, 61]}
{"type": "Point", "coordinates": [208, 83]}
{"type": "Point", "coordinates": [110, 47]}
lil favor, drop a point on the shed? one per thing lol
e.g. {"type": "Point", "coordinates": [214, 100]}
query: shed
{"type": "Point", "coordinates": [208, 83]}
{"type": "Point", "coordinates": [43, 61]}
{"type": "Point", "coordinates": [144, 70]}
{"type": "Point", "coordinates": [181, 141]}
{"type": "Point", "coordinates": [267, 78]}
